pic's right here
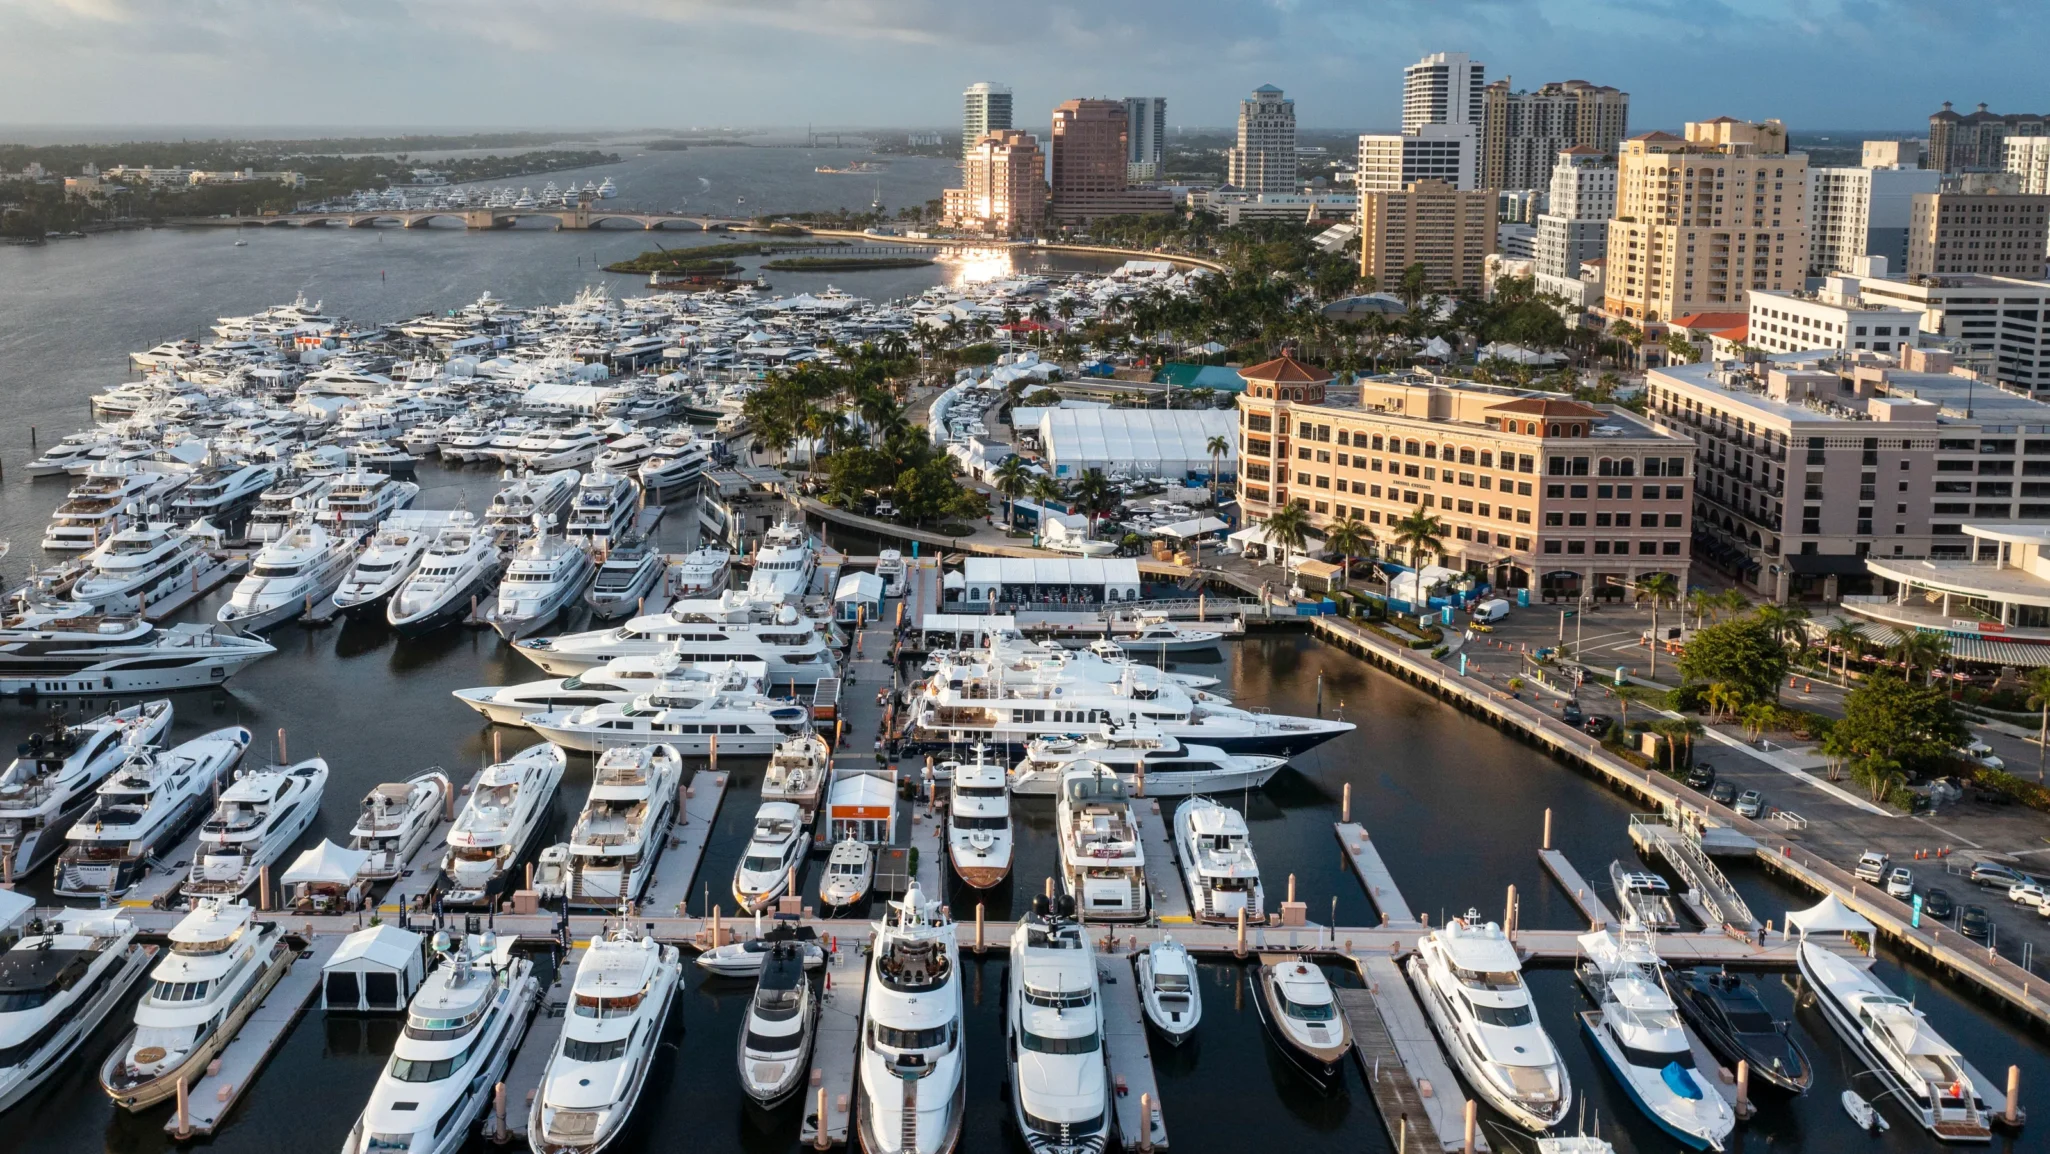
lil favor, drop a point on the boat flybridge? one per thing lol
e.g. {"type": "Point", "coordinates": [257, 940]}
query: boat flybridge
{"type": "Point", "coordinates": [505, 815]}
{"type": "Point", "coordinates": [624, 824]}
{"type": "Point", "coordinates": [912, 1066]}
{"type": "Point", "coordinates": [619, 1002]}
{"type": "Point", "coordinates": [1172, 767]}
{"type": "Point", "coordinates": [616, 682]}
{"type": "Point", "coordinates": [1217, 861]}
{"type": "Point", "coordinates": [784, 562]}
{"type": "Point", "coordinates": [1054, 1034]}
{"type": "Point", "coordinates": [525, 497]}
{"type": "Point", "coordinates": [152, 569]}
{"type": "Point", "coordinates": [93, 508]}
{"type": "Point", "coordinates": [459, 568]}
{"type": "Point", "coordinates": [289, 576]}
{"type": "Point", "coordinates": [67, 972]}
{"type": "Point", "coordinates": [545, 576]}
{"type": "Point", "coordinates": [142, 809]}
{"type": "Point", "coordinates": [679, 458]}
{"type": "Point", "coordinates": [702, 572]}
{"type": "Point", "coordinates": [222, 495]}
{"type": "Point", "coordinates": [621, 585]}
{"type": "Point", "coordinates": [1103, 861]}
{"type": "Point", "coordinates": [284, 505]}
{"type": "Point", "coordinates": [797, 648]}
{"type": "Point", "coordinates": [604, 510]}
{"type": "Point", "coordinates": [1642, 1039]}
{"type": "Point", "coordinates": [358, 500]}
{"type": "Point", "coordinates": [62, 648]}
{"type": "Point", "coordinates": [53, 779]}
{"type": "Point", "coordinates": [1471, 983]}
{"type": "Point", "coordinates": [979, 841]}
{"type": "Point", "coordinates": [395, 820]}
{"type": "Point", "coordinates": [256, 819]}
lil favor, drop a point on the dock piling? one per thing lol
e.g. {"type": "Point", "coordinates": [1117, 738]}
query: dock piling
{"type": "Point", "coordinates": [1743, 1088]}
{"type": "Point", "coordinates": [822, 1140]}
{"type": "Point", "coordinates": [978, 927]}
{"type": "Point", "coordinates": [263, 889]}
{"type": "Point", "coordinates": [1240, 948]}
{"type": "Point", "coordinates": [1291, 889]}
{"type": "Point", "coordinates": [1509, 912]}
{"type": "Point", "coordinates": [283, 757]}
{"type": "Point", "coordinates": [185, 1110]}
{"type": "Point", "coordinates": [1473, 1108]}
{"type": "Point", "coordinates": [2014, 1091]}
{"type": "Point", "coordinates": [1345, 803]}
{"type": "Point", "coordinates": [1145, 1124]}
{"type": "Point", "coordinates": [1548, 828]}
{"type": "Point", "coordinates": [498, 1110]}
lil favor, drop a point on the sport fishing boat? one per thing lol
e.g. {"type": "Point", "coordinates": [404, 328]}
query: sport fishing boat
{"type": "Point", "coordinates": [1639, 1033]}
{"type": "Point", "coordinates": [1060, 1083]}
{"type": "Point", "coordinates": [142, 809]}
{"type": "Point", "coordinates": [773, 853]}
{"type": "Point", "coordinates": [459, 568]}
{"type": "Point", "coordinates": [1471, 983]}
{"type": "Point", "coordinates": [61, 648]}
{"type": "Point", "coordinates": [506, 813]}
{"type": "Point", "coordinates": [797, 771]}
{"type": "Point", "coordinates": [1726, 1012]}
{"type": "Point", "coordinates": [255, 821]}
{"type": "Point", "coordinates": [798, 649]}
{"type": "Point", "coordinates": [359, 500]}
{"type": "Point", "coordinates": [850, 871]}
{"type": "Point", "coordinates": [629, 574]}
{"type": "Point", "coordinates": [151, 569]}
{"type": "Point", "coordinates": [394, 552]}
{"type": "Point", "coordinates": [1168, 991]}
{"type": "Point", "coordinates": [1217, 862]}
{"type": "Point", "coordinates": [680, 457]}
{"type": "Point", "coordinates": [53, 779]}
{"type": "Point", "coordinates": [615, 682]}
{"type": "Point", "coordinates": [1645, 898]}
{"type": "Point", "coordinates": [1294, 1001]}
{"type": "Point", "coordinates": [776, 1037]}
{"type": "Point", "coordinates": [289, 576]}
{"type": "Point", "coordinates": [221, 964]}
{"type": "Point", "coordinates": [284, 505]}
{"type": "Point", "coordinates": [783, 563]}
{"type": "Point", "coordinates": [604, 510]}
{"type": "Point", "coordinates": [703, 572]}
{"type": "Point", "coordinates": [691, 716]}
{"type": "Point", "coordinates": [57, 984]}
{"type": "Point", "coordinates": [1103, 862]}
{"type": "Point", "coordinates": [510, 517]}
{"type": "Point", "coordinates": [395, 821]}
{"type": "Point", "coordinates": [1155, 635]}
{"type": "Point", "coordinates": [462, 1027]}
{"type": "Point", "coordinates": [979, 822]}
{"type": "Point", "coordinates": [912, 1068]}
{"type": "Point", "coordinates": [543, 578]}
{"type": "Point", "coordinates": [619, 1002]}
{"type": "Point", "coordinates": [625, 822]}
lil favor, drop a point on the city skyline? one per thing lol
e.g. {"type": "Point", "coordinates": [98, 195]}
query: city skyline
{"type": "Point", "coordinates": [1833, 65]}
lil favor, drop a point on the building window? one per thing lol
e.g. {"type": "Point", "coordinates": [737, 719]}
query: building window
{"type": "Point", "coordinates": [1670, 548]}
{"type": "Point", "coordinates": [1576, 546]}
{"type": "Point", "coordinates": [1551, 546]}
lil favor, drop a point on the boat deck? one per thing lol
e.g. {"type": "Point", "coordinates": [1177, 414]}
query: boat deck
{"type": "Point", "coordinates": [1399, 1056]}
{"type": "Point", "coordinates": [928, 838]}
{"type": "Point", "coordinates": [1569, 878]}
{"type": "Point", "coordinates": [669, 891]}
{"type": "Point", "coordinates": [1365, 858]}
{"type": "Point", "coordinates": [213, 1097]}
{"type": "Point", "coordinates": [415, 883]}
{"type": "Point", "coordinates": [834, 1048]}
{"type": "Point", "coordinates": [530, 1062]}
{"type": "Point", "coordinates": [1128, 1048]}
{"type": "Point", "coordinates": [1165, 886]}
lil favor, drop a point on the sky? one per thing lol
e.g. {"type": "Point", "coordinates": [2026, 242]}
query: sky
{"type": "Point", "coordinates": [1816, 64]}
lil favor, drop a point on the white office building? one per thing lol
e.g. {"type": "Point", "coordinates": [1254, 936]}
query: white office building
{"type": "Point", "coordinates": [986, 109]}
{"type": "Point", "coordinates": [1998, 325]}
{"type": "Point", "coordinates": [1145, 136]}
{"type": "Point", "coordinates": [2029, 158]}
{"type": "Point", "coordinates": [1264, 159]}
{"type": "Point", "coordinates": [1854, 212]}
{"type": "Point", "coordinates": [1443, 88]}
{"type": "Point", "coordinates": [1574, 228]}
{"type": "Point", "coordinates": [1834, 316]}
{"type": "Point", "coordinates": [1447, 152]}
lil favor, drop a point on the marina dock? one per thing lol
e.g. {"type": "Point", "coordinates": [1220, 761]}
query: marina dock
{"type": "Point", "coordinates": [1373, 873]}
{"type": "Point", "coordinates": [157, 887]}
{"type": "Point", "coordinates": [669, 890]}
{"type": "Point", "coordinates": [415, 882]}
{"type": "Point", "coordinates": [210, 1100]}
{"type": "Point", "coordinates": [834, 1048]}
{"type": "Point", "coordinates": [530, 1062]}
{"type": "Point", "coordinates": [1709, 893]}
{"type": "Point", "coordinates": [1591, 905]}
{"type": "Point", "coordinates": [1165, 886]}
{"type": "Point", "coordinates": [1407, 1073]}
{"type": "Point", "coordinates": [1128, 1049]}
{"type": "Point", "coordinates": [929, 843]}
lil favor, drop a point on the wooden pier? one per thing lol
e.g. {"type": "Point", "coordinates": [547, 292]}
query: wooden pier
{"type": "Point", "coordinates": [1399, 1057]}
{"type": "Point", "coordinates": [529, 1065]}
{"type": "Point", "coordinates": [209, 1101]}
{"type": "Point", "coordinates": [1373, 873]}
{"type": "Point", "coordinates": [1165, 887]}
{"type": "Point", "coordinates": [1128, 1049]}
{"type": "Point", "coordinates": [669, 891]}
{"type": "Point", "coordinates": [835, 1046]}
{"type": "Point", "coordinates": [1591, 905]}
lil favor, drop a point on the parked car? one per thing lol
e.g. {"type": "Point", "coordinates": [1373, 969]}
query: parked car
{"type": "Point", "coordinates": [1724, 793]}
{"type": "Point", "coordinates": [1937, 904]}
{"type": "Point", "coordinates": [1570, 713]}
{"type": "Point", "coordinates": [1490, 611]}
{"type": "Point", "coordinates": [1701, 775]}
{"type": "Point", "coordinates": [1974, 924]}
{"type": "Point", "coordinates": [1900, 883]}
{"type": "Point", "coordinates": [1871, 867]}
{"type": "Point", "coordinates": [1987, 873]}
{"type": "Point", "coordinates": [2027, 894]}
{"type": "Point", "coordinates": [1598, 725]}
{"type": "Point", "coordinates": [1750, 803]}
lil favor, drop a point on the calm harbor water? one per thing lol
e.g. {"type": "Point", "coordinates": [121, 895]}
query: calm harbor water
{"type": "Point", "coordinates": [1455, 805]}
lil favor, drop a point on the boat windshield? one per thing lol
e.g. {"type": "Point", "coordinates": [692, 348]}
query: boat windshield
{"type": "Point", "coordinates": [578, 1050]}
{"type": "Point", "coordinates": [1499, 1015]}
{"type": "Point", "coordinates": [440, 1029]}
{"type": "Point", "coordinates": [760, 864]}
{"type": "Point", "coordinates": [1171, 983]}
{"type": "Point", "coordinates": [1086, 1044]}
{"type": "Point", "coordinates": [993, 792]}
{"type": "Point", "coordinates": [896, 1039]}
{"type": "Point", "coordinates": [1059, 999]}
{"type": "Point", "coordinates": [405, 1069]}
{"type": "Point", "coordinates": [1307, 1012]}
{"type": "Point", "coordinates": [999, 821]}
{"type": "Point", "coordinates": [597, 1006]}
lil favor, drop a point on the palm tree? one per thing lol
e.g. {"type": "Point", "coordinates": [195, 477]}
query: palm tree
{"type": "Point", "coordinates": [1045, 489]}
{"type": "Point", "coordinates": [1849, 640]}
{"type": "Point", "coordinates": [1348, 539]}
{"type": "Point", "coordinates": [2038, 681]}
{"type": "Point", "coordinates": [1918, 648]}
{"type": "Point", "coordinates": [1420, 535]}
{"type": "Point", "coordinates": [1782, 620]}
{"type": "Point", "coordinates": [1659, 587]}
{"type": "Point", "coordinates": [1703, 604]}
{"type": "Point", "coordinates": [1217, 447]}
{"type": "Point", "coordinates": [1093, 496]}
{"type": "Point", "coordinates": [1289, 527]}
{"type": "Point", "coordinates": [1012, 477]}
{"type": "Point", "coordinates": [1723, 700]}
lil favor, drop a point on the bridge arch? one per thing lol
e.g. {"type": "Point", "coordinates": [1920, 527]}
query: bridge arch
{"type": "Point", "coordinates": [425, 219]}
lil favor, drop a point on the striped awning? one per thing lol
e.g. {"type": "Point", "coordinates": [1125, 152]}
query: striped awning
{"type": "Point", "coordinates": [2021, 654]}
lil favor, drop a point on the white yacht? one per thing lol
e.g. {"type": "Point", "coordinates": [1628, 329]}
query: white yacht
{"type": "Point", "coordinates": [394, 552]}
{"type": "Point", "coordinates": [1173, 768]}
{"type": "Point", "coordinates": [253, 823]}
{"type": "Point", "coordinates": [506, 813]}
{"type": "Point", "coordinates": [912, 1067]}
{"type": "Point", "coordinates": [783, 562]}
{"type": "Point", "coordinates": [284, 505]}
{"type": "Point", "coordinates": [1639, 1033]}
{"type": "Point", "coordinates": [979, 822]}
{"type": "Point", "coordinates": [151, 569]}
{"type": "Point", "coordinates": [221, 963]}
{"type": "Point", "coordinates": [1294, 1001]}
{"type": "Point", "coordinates": [624, 824]}
{"type": "Point", "coordinates": [701, 573]}
{"type": "Point", "coordinates": [289, 576]}
{"type": "Point", "coordinates": [63, 648]}
{"type": "Point", "coordinates": [693, 716]}
{"type": "Point", "coordinates": [744, 958]}
{"type": "Point", "coordinates": [799, 650]}
{"type": "Point", "coordinates": [395, 820]}
{"type": "Point", "coordinates": [1155, 635]}
{"type": "Point", "coordinates": [1217, 862]}
{"type": "Point", "coordinates": [616, 682]}
{"type": "Point", "coordinates": [544, 577]}
{"type": "Point", "coordinates": [1168, 989]}
{"type": "Point", "coordinates": [459, 568]}
{"type": "Point", "coordinates": [605, 508]}
{"type": "Point", "coordinates": [51, 782]}
{"type": "Point", "coordinates": [679, 458]}
{"type": "Point", "coordinates": [619, 1001]}
{"type": "Point", "coordinates": [57, 984]}
{"type": "Point", "coordinates": [1471, 983]}
{"type": "Point", "coordinates": [527, 496]}
{"type": "Point", "coordinates": [1054, 1027]}
{"type": "Point", "coordinates": [92, 511]}
{"type": "Point", "coordinates": [358, 500]}
{"type": "Point", "coordinates": [624, 454]}
{"type": "Point", "coordinates": [223, 496]}
{"type": "Point", "coordinates": [774, 1050]}
{"type": "Point", "coordinates": [1103, 862]}
{"type": "Point", "coordinates": [461, 1029]}
{"type": "Point", "coordinates": [774, 852]}
{"type": "Point", "coordinates": [141, 810]}
{"type": "Point", "coordinates": [850, 871]}
{"type": "Point", "coordinates": [628, 576]}
{"type": "Point", "coordinates": [798, 770]}
{"type": "Point", "coordinates": [74, 452]}
{"type": "Point", "coordinates": [1644, 898]}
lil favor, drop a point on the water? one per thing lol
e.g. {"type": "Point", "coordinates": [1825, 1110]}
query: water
{"type": "Point", "coordinates": [1455, 805]}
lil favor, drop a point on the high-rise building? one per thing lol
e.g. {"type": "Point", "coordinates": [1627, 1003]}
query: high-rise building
{"type": "Point", "coordinates": [1443, 88]}
{"type": "Point", "coordinates": [1525, 131]}
{"type": "Point", "coordinates": [1863, 211]}
{"type": "Point", "coordinates": [1447, 230]}
{"type": "Point", "coordinates": [1145, 136]}
{"type": "Point", "coordinates": [2028, 157]}
{"type": "Point", "coordinates": [1997, 325]}
{"type": "Point", "coordinates": [987, 109]}
{"type": "Point", "coordinates": [1264, 158]}
{"type": "Point", "coordinates": [1446, 152]}
{"type": "Point", "coordinates": [1089, 149]}
{"type": "Point", "coordinates": [1990, 233]}
{"type": "Point", "coordinates": [1574, 228]}
{"type": "Point", "coordinates": [1003, 185]}
{"type": "Point", "coordinates": [1703, 219]}
{"type": "Point", "coordinates": [1964, 142]}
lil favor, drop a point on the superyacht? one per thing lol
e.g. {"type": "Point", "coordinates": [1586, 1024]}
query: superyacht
{"type": "Point", "coordinates": [1471, 982]}
{"type": "Point", "coordinates": [679, 458]}
{"type": "Point", "coordinates": [1172, 768]}
{"type": "Point", "coordinates": [979, 840]}
{"type": "Point", "coordinates": [141, 811]}
{"type": "Point", "coordinates": [255, 821]}
{"type": "Point", "coordinates": [622, 584]}
{"type": "Point", "coordinates": [60, 981]}
{"type": "Point", "coordinates": [358, 500]}
{"type": "Point", "coordinates": [50, 783]}
{"type": "Point", "coordinates": [783, 563]}
{"type": "Point", "coordinates": [151, 569]}
{"type": "Point", "coordinates": [512, 513]}
{"type": "Point", "coordinates": [605, 509]}
{"type": "Point", "coordinates": [93, 508]}
{"type": "Point", "coordinates": [625, 822]}
{"type": "Point", "coordinates": [395, 820]}
{"type": "Point", "coordinates": [912, 1066]}
{"type": "Point", "coordinates": [1217, 862]}
{"type": "Point", "coordinates": [289, 576]}
{"type": "Point", "coordinates": [284, 505]}
{"type": "Point", "coordinates": [223, 496]}
{"type": "Point", "coordinates": [63, 648]}
{"type": "Point", "coordinates": [391, 556]}
{"type": "Point", "coordinates": [1103, 861]}
{"type": "Point", "coordinates": [458, 569]}
{"type": "Point", "coordinates": [693, 716]}
{"type": "Point", "coordinates": [798, 650]}
{"type": "Point", "coordinates": [619, 1001]}
{"type": "Point", "coordinates": [505, 815]}
{"type": "Point", "coordinates": [544, 577]}
{"type": "Point", "coordinates": [614, 683]}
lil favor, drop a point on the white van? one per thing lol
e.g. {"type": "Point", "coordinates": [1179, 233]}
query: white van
{"type": "Point", "coordinates": [1489, 611]}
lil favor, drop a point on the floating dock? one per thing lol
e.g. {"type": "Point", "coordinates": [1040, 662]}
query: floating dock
{"type": "Point", "coordinates": [1165, 886]}
{"type": "Point", "coordinates": [415, 883]}
{"type": "Point", "coordinates": [1709, 893]}
{"type": "Point", "coordinates": [1129, 1051]}
{"type": "Point", "coordinates": [1591, 905]}
{"type": "Point", "coordinates": [669, 891]}
{"type": "Point", "coordinates": [835, 1045]}
{"type": "Point", "coordinates": [1373, 874]}
{"type": "Point", "coordinates": [929, 840]}
{"type": "Point", "coordinates": [210, 1100]}
{"type": "Point", "coordinates": [530, 1063]}
{"type": "Point", "coordinates": [156, 888]}
{"type": "Point", "coordinates": [1399, 1056]}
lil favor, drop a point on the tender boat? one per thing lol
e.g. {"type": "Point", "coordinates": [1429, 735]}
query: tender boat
{"type": "Point", "coordinates": [1157, 635]}
{"type": "Point", "coordinates": [143, 808]}
{"type": "Point", "coordinates": [979, 842]}
{"type": "Point", "coordinates": [797, 771]}
{"type": "Point", "coordinates": [1217, 862]}
{"type": "Point", "coordinates": [616, 682]}
{"type": "Point", "coordinates": [255, 821]}
{"type": "Point", "coordinates": [459, 568]}
{"type": "Point", "coordinates": [1168, 990]}
{"type": "Point", "coordinates": [784, 562]}
{"type": "Point", "coordinates": [395, 821]}
{"type": "Point", "coordinates": [774, 1051]}
{"type": "Point", "coordinates": [1732, 1021]}
{"type": "Point", "coordinates": [702, 573]}
{"type": "Point", "coordinates": [890, 567]}
{"type": "Point", "coordinates": [744, 959]}
{"type": "Point", "coordinates": [543, 578]}
{"type": "Point", "coordinates": [619, 1002]}
{"type": "Point", "coordinates": [57, 984]}
{"type": "Point", "coordinates": [1639, 1034]}
{"type": "Point", "coordinates": [1863, 1113]}
{"type": "Point", "coordinates": [1054, 1027]}
{"type": "Point", "coordinates": [1471, 983]}
{"type": "Point", "coordinates": [394, 552]}
{"type": "Point", "coordinates": [461, 1030]}
{"type": "Point", "coordinates": [774, 852]}
{"type": "Point", "coordinates": [912, 1067]}
{"type": "Point", "coordinates": [506, 813]}
{"type": "Point", "coordinates": [289, 576]}
{"type": "Point", "coordinates": [850, 871]}
{"type": "Point", "coordinates": [53, 780]}
{"type": "Point", "coordinates": [1103, 862]}
{"type": "Point", "coordinates": [1294, 1001]}
{"type": "Point", "coordinates": [221, 963]}
{"type": "Point", "coordinates": [151, 570]}
{"type": "Point", "coordinates": [1645, 898]}
{"type": "Point", "coordinates": [624, 824]}
{"type": "Point", "coordinates": [604, 510]}
{"type": "Point", "coordinates": [625, 579]}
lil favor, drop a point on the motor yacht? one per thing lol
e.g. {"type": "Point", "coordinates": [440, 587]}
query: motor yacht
{"type": "Point", "coordinates": [92, 511]}
{"type": "Point", "coordinates": [615, 682]}
{"type": "Point", "coordinates": [256, 819]}
{"type": "Point", "coordinates": [979, 840]}
{"type": "Point", "coordinates": [1471, 983]}
{"type": "Point", "coordinates": [394, 552]}
{"type": "Point", "coordinates": [510, 517]}
{"type": "Point", "coordinates": [629, 574]}
{"type": "Point", "coordinates": [679, 458]}
{"type": "Point", "coordinates": [53, 779]}
{"type": "Point", "coordinates": [783, 562]}
{"type": "Point", "coordinates": [744, 959]}
{"type": "Point", "coordinates": [289, 576]}
{"type": "Point", "coordinates": [890, 567]}
{"type": "Point", "coordinates": [624, 825]}
{"type": "Point", "coordinates": [797, 771]}
{"type": "Point", "coordinates": [221, 964]}
{"type": "Point", "coordinates": [504, 816]}
{"type": "Point", "coordinates": [462, 1027]}
{"type": "Point", "coordinates": [223, 496]}
{"type": "Point", "coordinates": [142, 809]}
{"type": "Point", "coordinates": [382, 456]}
{"type": "Point", "coordinates": [395, 820]}
{"type": "Point", "coordinates": [850, 872]}
{"type": "Point", "coordinates": [774, 1050]}
{"type": "Point", "coordinates": [701, 573]}
{"type": "Point", "coordinates": [1103, 862]}
{"type": "Point", "coordinates": [798, 650]}
{"type": "Point", "coordinates": [1217, 862]}
{"type": "Point", "coordinates": [1168, 990]}
{"type": "Point", "coordinates": [1644, 898]}
{"type": "Point", "coordinates": [1173, 768]}
{"type": "Point", "coordinates": [695, 717]}
{"type": "Point", "coordinates": [1155, 636]}
{"type": "Point", "coordinates": [64, 649]}
{"type": "Point", "coordinates": [74, 451]}
{"type": "Point", "coordinates": [912, 1067]}
{"type": "Point", "coordinates": [768, 866]}
{"type": "Point", "coordinates": [1054, 1028]}
{"type": "Point", "coordinates": [544, 577]}
{"type": "Point", "coordinates": [152, 569]}
{"type": "Point", "coordinates": [58, 982]}
{"type": "Point", "coordinates": [1294, 1002]}
{"type": "Point", "coordinates": [624, 454]}
{"type": "Point", "coordinates": [1639, 1033]}
{"type": "Point", "coordinates": [458, 569]}
{"type": "Point", "coordinates": [605, 508]}
{"type": "Point", "coordinates": [1730, 1018]}
{"type": "Point", "coordinates": [619, 1002]}
{"type": "Point", "coordinates": [359, 500]}
{"type": "Point", "coordinates": [284, 505]}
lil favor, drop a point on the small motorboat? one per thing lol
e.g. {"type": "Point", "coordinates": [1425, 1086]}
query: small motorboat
{"type": "Point", "coordinates": [776, 1037]}
{"type": "Point", "coordinates": [551, 872]}
{"type": "Point", "coordinates": [1167, 989]}
{"type": "Point", "coordinates": [744, 959]}
{"type": "Point", "coordinates": [850, 870]}
{"type": "Point", "coordinates": [1294, 1001]}
{"type": "Point", "coordinates": [1866, 1115]}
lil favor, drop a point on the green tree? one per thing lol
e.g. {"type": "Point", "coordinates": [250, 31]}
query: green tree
{"type": "Point", "coordinates": [1783, 620]}
{"type": "Point", "coordinates": [1217, 447]}
{"type": "Point", "coordinates": [1012, 477]}
{"type": "Point", "coordinates": [1093, 496]}
{"type": "Point", "coordinates": [1742, 654]}
{"type": "Point", "coordinates": [1289, 527]}
{"type": "Point", "coordinates": [1349, 539]}
{"type": "Point", "coordinates": [1915, 726]}
{"type": "Point", "coordinates": [1918, 649]}
{"type": "Point", "coordinates": [1848, 639]}
{"type": "Point", "coordinates": [1660, 587]}
{"type": "Point", "coordinates": [1421, 536]}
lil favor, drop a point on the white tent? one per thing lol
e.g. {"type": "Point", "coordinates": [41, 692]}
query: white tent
{"type": "Point", "coordinates": [374, 970]}
{"type": "Point", "coordinates": [1828, 916]}
{"type": "Point", "coordinates": [1416, 585]}
{"type": "Point", "coordinates": [1436, 349]}
{"type": "Point", "coordinates": [13, 908]}
{"type": "Point", "coordinates": [1256, 535]}
{"type": "Point", "coordinates": [1517, 354]}
{"type": "Point", "coordinates": [854, 591]}
{"type": "Point", "coordinates": [326, 864]}
{"type": "Point", "coordinates": [1183, 530]}
{"type": "Point", "coordinates": [1144, 442]}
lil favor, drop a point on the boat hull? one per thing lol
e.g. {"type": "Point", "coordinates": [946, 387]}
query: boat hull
{"type": "Point", "coordinates": [1590, 1021]}
{"type": "Point", "coordinates": [22, 1079]}
{"type": "Point", "coordinates": [1482, 1086]}
{"type": "Point", "coordinates": [164, 1087]}
{"type": "Point", "coordinates": [1324, 1067]}
{"type": "Point", "coordinates": [617, 1117]}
